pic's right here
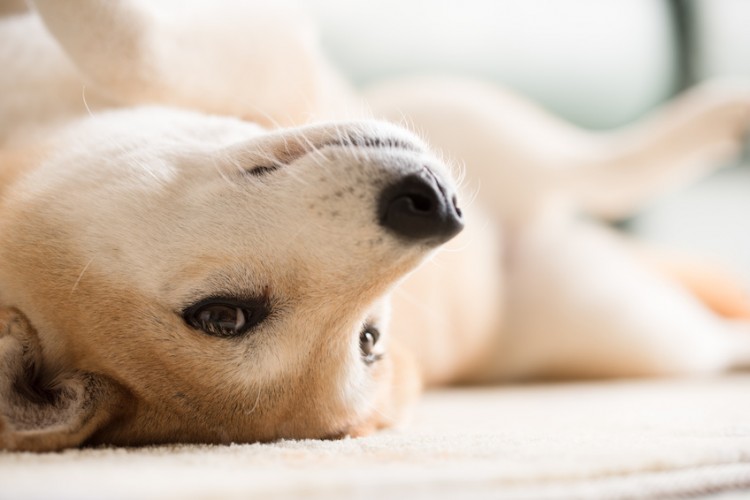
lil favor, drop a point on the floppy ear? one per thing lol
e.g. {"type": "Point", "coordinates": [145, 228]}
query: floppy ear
{"type": "Point", "coordinates": [42, 417]}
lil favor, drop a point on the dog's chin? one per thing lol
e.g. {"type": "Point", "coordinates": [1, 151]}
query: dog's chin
{"type": "Point", "coordinates": [397, 389]}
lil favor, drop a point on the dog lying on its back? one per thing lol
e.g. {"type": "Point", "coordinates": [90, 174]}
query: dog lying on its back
{"type": "Point", "coordinates": [245, 269]}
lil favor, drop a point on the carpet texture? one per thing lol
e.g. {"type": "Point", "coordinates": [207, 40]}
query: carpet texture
{"type": "Point", "coordinates": [631, 439]}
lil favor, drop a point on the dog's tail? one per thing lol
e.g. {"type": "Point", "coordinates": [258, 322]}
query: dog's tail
{"type": "Point", "coordinates": [718, 290]}
{"type": "Point", "coordinates": [715, 287]}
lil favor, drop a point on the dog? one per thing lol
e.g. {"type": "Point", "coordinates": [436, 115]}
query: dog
{"type": "Point", "coordinates": [204, 238]}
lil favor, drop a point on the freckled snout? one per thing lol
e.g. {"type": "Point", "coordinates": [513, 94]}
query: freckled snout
{"type": "Point", "coordinates": [418, 208]}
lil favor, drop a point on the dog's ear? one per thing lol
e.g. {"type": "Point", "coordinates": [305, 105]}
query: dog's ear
{"type": "Point", "coordinates": [38, 416]}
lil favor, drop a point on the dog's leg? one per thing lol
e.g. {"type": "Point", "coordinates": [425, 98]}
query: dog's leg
{"type": "Point", "coordinates": [11, 7]}
{"type": "Point", "coordinates": [582, 304]}
{"type": "Point", "coordinates": [522, 157]}
{"type": "Point", "coordinates": [112, 43]}
{"type": "Point", "coordinates": [697, 132]}
{"type": "Point", "coordinates": [255, 60]}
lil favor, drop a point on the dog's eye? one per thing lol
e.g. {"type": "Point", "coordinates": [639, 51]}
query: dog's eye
{"type": "Point", "coordinates": [263, 170]}
{"type": "Point", "coordinates": [225, 317]}
{"type": "Point", "coordinates": [367, 340]}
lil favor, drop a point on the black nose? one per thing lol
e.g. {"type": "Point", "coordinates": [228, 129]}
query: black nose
{"type": "Point", "coordinates": [418, 208]}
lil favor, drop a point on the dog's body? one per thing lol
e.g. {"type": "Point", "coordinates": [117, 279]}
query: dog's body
{"type": "Point", "coordinates": [124, 236]}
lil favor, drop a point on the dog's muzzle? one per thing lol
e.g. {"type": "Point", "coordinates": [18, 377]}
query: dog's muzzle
{"type": "Point", "coordinates": [418, 208]}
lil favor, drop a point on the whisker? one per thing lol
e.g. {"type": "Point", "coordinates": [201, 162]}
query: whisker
{"type": "Point", "coordinates": [85, 103]}
{"type": "Point", "coordinates": [257, 400]}
{"type": "Point", "coordinates": [80, 276]}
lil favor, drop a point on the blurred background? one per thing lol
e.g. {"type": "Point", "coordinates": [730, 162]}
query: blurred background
{"type": "Point", "coordinates": [598, 63]}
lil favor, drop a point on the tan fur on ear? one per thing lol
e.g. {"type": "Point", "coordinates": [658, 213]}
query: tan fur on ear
{"type": "Point", "coordinates": [44, 416]}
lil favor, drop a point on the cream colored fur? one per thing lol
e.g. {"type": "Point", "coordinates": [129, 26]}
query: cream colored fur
{"type": "Point", "coordinates": [129, 133]}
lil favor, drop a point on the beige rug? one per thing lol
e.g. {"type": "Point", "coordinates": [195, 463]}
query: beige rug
{"type": "Point", "coordinates": [636, 439]}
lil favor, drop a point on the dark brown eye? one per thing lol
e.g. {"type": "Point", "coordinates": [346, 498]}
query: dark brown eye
{"type": "Point", "coordinates": [223, 317]}
{"type": "Point", "coordinates": [367, 340]}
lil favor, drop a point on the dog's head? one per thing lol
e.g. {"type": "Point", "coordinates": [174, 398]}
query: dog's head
{"type": "Point", "coordinates": [166, 276]}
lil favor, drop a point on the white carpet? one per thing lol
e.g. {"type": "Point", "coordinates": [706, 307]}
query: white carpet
{"type": "Point", "coordinates": [645, 439]}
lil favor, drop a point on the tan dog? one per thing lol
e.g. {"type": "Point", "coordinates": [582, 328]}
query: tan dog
{"type": "Point", "coordinates": [173, 275]}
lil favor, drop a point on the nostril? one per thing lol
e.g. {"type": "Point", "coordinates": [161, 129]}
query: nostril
{"type": "Point", "coordinates": [454, 201]}
{"type": "Point", "coordinates": [421, 203]}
